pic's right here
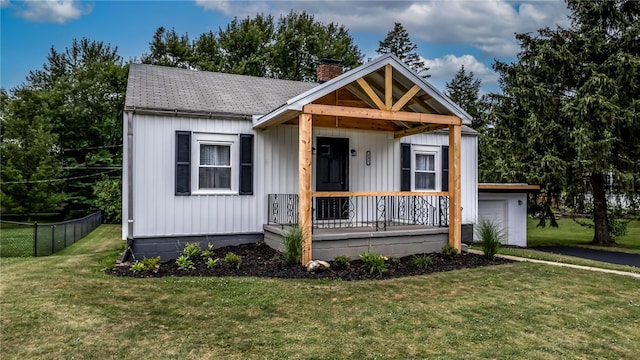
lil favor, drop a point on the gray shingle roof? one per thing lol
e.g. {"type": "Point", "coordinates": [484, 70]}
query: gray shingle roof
{"type": "Point", "coordinates": [169, 89]}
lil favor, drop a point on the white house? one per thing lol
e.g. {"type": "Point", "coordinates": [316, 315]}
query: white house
{"type": "Point", "coordinates": [372, 158]}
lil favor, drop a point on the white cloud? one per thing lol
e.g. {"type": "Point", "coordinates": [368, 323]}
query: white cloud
{"type": "Point", "coordinates": [4, 3]}
{"type": "Point", "coordinates": [58, 11]}
{"type": "Point", "coordinates": [488, 25]}
{"type": "Point", "coordinates": [444, 68]}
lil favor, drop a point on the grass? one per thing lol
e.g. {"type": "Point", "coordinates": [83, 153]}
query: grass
{"type": "Point", "coordinates": [63, 306]}
{"type": "Point", "coordinates": [571, 233]}
{"type": "Point", "coordinates": [16, 240]}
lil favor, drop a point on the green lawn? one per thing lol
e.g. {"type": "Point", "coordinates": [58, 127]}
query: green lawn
{"type": "Point", "coordinates": [16, 240]}
{"type": "Point", "coordinates": [572, 234]}
{"type": "Point", "coordinates": [63, 306]}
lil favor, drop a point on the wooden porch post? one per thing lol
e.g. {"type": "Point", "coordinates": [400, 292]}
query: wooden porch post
{"type": "Point", "coordinates": [304, 184]}
{"type": "Point", "coordinates": [455, 194]}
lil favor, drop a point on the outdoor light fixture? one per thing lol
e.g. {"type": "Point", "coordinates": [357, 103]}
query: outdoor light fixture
{"type": "Point", "coordinates": [519, 202]}
{"type": "Point", "coordinates": [354, 152]}
{"type": "Point", "coordinates": [313, 150]}
{"type": "Point", "coordinates": [368, 157]}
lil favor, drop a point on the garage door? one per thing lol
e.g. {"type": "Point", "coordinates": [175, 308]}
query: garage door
{"type": "Point", "coordinates": [494, 211]}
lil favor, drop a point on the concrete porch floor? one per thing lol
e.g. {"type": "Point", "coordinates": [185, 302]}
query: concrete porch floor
{"type": "Point", "coordinates": [396, 241]}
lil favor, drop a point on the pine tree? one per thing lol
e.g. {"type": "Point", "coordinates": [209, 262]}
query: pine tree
{"type": "Point", "coordinates": [464, 90]}
{"type": "Point", "coordinates": [576, 94]}
{"type": "Point", "coordinates": [399, 44]}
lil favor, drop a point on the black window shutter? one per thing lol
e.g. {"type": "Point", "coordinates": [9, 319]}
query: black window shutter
{"type": "Point", "coordinates": [183, 163]}
{"type": "Point", "coordinates": [246, 164]}
{"type": "Point", "coordinates": [445, 168]}
{"type": "Point", "coordinates": [405, 167]}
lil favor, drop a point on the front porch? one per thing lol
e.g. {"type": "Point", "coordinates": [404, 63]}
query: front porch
{"type": "Point", "coordinates": [347, 223]}
{"type": "Point", "coordinates": [382, 96]}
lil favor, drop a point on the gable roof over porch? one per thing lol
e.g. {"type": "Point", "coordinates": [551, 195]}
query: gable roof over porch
{"type": "Point", "coordinates": [386, 89]}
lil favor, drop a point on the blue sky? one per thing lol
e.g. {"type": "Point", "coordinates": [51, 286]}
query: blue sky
{"type": "Point", "coordinates": [448, 33]}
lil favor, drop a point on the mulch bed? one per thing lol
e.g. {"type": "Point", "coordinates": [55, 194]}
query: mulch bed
{"type": "Point", "coordinates": [259, 260]}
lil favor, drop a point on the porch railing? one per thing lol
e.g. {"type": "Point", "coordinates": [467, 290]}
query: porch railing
{"type": "Point", "coordinates": [379, 211]}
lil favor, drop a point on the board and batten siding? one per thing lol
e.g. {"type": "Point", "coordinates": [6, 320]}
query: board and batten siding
{"type": "Point", "coordinates": [468, 171]}
{"type": "Point", "coordinates": [159, 212]}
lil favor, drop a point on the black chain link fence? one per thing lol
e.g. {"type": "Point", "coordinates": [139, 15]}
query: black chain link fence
{"type": "Point", "coordinates": [25, 239]}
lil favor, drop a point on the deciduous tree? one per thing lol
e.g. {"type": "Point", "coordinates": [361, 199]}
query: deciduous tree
{"type": "Point", "coordinates": [30, 168]}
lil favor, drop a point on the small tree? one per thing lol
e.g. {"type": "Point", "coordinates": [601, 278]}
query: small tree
{"type": "Point", "coordinates": [108, 199]}
{"type": "Point", "coordinates": [399, 44]}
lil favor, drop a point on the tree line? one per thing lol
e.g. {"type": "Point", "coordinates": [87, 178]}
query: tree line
{"type": "Point", "coordinates": [566, 116]}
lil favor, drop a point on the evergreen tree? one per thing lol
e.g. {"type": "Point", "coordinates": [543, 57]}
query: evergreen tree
{"type": "Point", "coordinates": [464, 90]}
{"type": "Point", "coordinates": [575, 107]}
{"type": "Point", "coordinates": [399, 44]}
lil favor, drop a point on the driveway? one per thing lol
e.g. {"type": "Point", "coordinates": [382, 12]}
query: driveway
{"type": "Point", "coordinates": [613, 257]}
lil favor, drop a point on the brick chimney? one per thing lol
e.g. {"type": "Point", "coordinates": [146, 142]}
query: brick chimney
{"type": "Point", "coordinates": [328, 69]}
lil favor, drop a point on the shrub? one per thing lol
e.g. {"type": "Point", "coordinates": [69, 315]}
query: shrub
{"type": "Point", "coordinates": [151, 264]}
{"type": "Point", "coordinates": [342, 261]}
{"type": "Point", "coordinates": [375, 262]}
{"type": "Point", "coordinates": [137, 267]}
{"type": "Point", "coordinates": [211, 262]}
{"type": "Point", "coordinates": [449, 251]}
{"type": "Point", "coordinates": [207, 253]}
{"type": "Point", "coordinates": [293, 245]}
{"type": "Point", "coordinates": [185, 263]}
{"type": "Point", "coordinates": [146, 265]}
{"type": "Point", "coordinates": [233, 259]}
{"type": "Point", "coordinates": [191, 250]}
{"type": "Point", "coordinates": [422, 261]}
{"type": "Point", "coordinates": [490, 237]}
{"type": "Point", "coordinates": [108, 198]}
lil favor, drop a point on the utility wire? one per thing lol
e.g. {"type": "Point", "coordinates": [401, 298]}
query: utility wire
{"type": "Point", "coordinates": [57, 180]}
{"type": "Point", "coordinates": [94, 147]}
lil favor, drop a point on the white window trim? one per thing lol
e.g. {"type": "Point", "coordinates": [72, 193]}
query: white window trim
{"type": "Point", "coordinates": [231, 140]}
{"type": "Point", "coordinates": [427, 150]}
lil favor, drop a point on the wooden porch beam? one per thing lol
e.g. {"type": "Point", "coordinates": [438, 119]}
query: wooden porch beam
{"type": "Point", "coordinates": [388, 87]}
{"type": "Point", "coordinates": [371, 93]}
{"type": "Point", "coordinates": [304, 184]}
{"type": "Point", "coordinates": [317, 109]}
{"type": "Point", "coordinates": [455, 186]}
{"type": "Point", "coordinates": [405, 98]}
{"type": "Point", "coordinates": [418, 130]}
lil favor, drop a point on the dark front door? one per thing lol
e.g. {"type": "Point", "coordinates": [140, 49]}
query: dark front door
{"type": "Point", "coordinates": [332, 163]}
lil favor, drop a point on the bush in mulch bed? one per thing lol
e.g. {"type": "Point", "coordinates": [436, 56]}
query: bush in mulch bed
{"type": "Point", "coordinates": [259, 260]}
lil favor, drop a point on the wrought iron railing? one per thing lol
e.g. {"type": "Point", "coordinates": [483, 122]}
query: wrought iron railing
{"type": "Point", "coordinates": [282, 209]}
{"type": "Point", "coordinates": [378, 212]}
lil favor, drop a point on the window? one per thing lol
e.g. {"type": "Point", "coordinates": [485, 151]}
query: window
{"type": "Point", "coordinates": [424, 167]}
{"type": "Point", "coordinates": [214, 171]}
{"type": "Point", "coordinates": [425, 171]}
{"type": "Point", "coordinates": [208, 163]}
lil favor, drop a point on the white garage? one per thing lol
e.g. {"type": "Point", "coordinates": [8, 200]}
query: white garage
{"type": "Point", "coordinates": [505, 205]}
